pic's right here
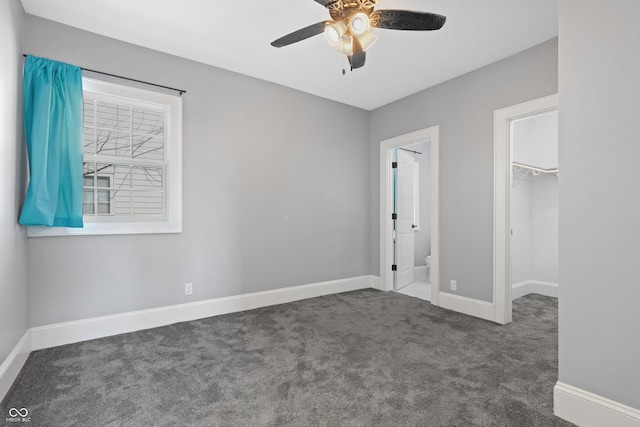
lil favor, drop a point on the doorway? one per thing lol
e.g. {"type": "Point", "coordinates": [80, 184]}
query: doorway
{"type": "Point", "coordinates": [389, 269]}
{"type": "Point", "coordinates": [412, 202]}
{"type": "Point", "coordinates": [506, 266]}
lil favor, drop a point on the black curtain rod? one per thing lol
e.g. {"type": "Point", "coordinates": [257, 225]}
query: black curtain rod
{"type": "Point", "coordinates": [411, 151]}
{"type": "Point", "coordinates": [180, 91]}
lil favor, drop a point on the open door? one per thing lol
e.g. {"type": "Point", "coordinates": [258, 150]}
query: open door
{"type": "Point", "coordinates": [404, 234]}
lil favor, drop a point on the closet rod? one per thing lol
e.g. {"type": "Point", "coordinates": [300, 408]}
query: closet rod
{"type": "Point", "coordinates": [180, 91]}
{"type": "Point", "coordinates": [535, 169]}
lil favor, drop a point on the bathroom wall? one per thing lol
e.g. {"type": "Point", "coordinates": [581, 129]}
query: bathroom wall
{"type": "Point", "coordinates": [423, 236]}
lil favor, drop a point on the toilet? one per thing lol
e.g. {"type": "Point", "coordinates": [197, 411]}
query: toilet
{"type": "Point", "coordinates": [427, 261]}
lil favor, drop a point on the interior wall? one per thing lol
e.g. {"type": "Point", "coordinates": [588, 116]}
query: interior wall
{"type": "Point", "coordinates": [520, 243]}
{"type": "Point", "coordinates": [535, 141]}
{"type": "Point", "coordinates": [463, 108]}
{"type": "Point", "coordinates": [13, 248]}
{"type": "Point", "coordinates": [423, 236]}
{"type": "Point", "coordinates": [253, 152]}
{"type": "Point", "coordinates": [544, 229]}
{"type": "Point", "coordinates": [599, 343]}
{"type": "Point", "coordinates": [534, 221]}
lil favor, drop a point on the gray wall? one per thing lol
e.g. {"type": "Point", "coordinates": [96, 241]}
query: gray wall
{"type": "Point", "coordinates": [463, 107]}
{"type": "Point", "coordinates": [13, 248]}
{"type": "Point", "coordinates": [600, 212]}
{"type": "Point", "coordinates": [253, 151]}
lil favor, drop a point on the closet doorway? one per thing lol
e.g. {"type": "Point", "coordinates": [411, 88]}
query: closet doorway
{"type": "Point", "coordinates": [533, 210]}
{"type": "Point", "coordinates": [525, 203]}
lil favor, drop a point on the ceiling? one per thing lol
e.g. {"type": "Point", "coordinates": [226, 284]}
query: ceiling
{"type": "Point", "coordinates": [236, 35]}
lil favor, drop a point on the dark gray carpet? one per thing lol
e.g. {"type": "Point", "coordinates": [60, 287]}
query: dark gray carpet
{"type": "Point", "coordinates": [363, 358]}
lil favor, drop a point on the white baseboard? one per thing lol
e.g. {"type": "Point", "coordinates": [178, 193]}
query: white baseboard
{"type": "Point", "coordinates": [472, 307]}
{"type": "Point", "coordinates": [420, 271]}
{"type": "Point", "coordinates": [41, 337]}
{"type": "Point", "coordinates": [375, 283]}
{"type": "Point", "coordinates": [11, 366]}
{"type": "Point", "coordinates": [527, 287]}
{"type": "Point", "coordinates": [104, 326]}
{"type": "Point", "coordinates": [590, 410]}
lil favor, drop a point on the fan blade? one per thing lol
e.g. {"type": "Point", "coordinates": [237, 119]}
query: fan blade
{"type": "Point", "coordinates": [357, 59]}
{"type": "Point", "coordinates": [326, 3]}
{"type": "Point", "coordinates": [407, 20]}
{"type": "Point", "coordinates": [301, 34]}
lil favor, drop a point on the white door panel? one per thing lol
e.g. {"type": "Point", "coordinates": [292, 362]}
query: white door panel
{"type": "Point", "coordinates": [405, 238]}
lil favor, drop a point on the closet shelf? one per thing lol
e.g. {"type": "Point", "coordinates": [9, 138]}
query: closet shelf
{"type": "Point", "coordinates": [534, 170]}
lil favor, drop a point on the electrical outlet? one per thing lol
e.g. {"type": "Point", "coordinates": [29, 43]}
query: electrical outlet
{"type": "Point", "coordinates": [454, 285]}
{"type": "Point", "coordinates": [188, 288]}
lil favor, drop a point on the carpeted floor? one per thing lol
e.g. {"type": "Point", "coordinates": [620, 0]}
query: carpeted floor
{"type": "Point", "coordinates": [362, 358]}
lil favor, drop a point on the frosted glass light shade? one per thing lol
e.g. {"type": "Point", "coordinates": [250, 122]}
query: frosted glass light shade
{"type": "Point", "coordinates": [334, 32]}
{"type": "Point", "coordinates": [366, 39]}
{"type": "Point", "coordinates": [359, 24]}
{"type": "Point", "coordinates": [346, 45]}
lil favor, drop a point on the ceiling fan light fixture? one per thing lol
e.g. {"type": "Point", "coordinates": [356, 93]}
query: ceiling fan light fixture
{"type": "Point", "coordinates": [334, 32]}
{"type": "Point", "coordinates": [346, 45]}
{"type": "Point", "coordinates": [366, 39]}
{"type": "Point", "coordinates": [351, 23]}
{"type": "Point", "coordinates": [359, 24]}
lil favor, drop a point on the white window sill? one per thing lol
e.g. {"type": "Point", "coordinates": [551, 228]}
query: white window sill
{"type": "Point", "coordinates": [94, 229]}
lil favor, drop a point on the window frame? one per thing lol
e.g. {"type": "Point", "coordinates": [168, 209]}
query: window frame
{"type": "Point", "coordinates": [172, 221]}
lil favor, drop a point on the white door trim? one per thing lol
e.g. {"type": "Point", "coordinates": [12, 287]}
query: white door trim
{"type": "Point", "coordinates": [431, 134]}
{"type": "Point", "coordinates": [501, 196]}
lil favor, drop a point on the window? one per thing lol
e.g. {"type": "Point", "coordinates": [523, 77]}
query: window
{"type": "Point", "coordinates": [132, 162]}
{"type": "Point", "coordinates": [96, 194]}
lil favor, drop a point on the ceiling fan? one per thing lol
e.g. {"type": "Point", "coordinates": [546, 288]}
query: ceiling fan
{"type": "Point", "coordinates": [352, 20]}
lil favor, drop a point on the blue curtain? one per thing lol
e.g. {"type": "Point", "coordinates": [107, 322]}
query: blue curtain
{"type": "Point", "coordinates": [53, 131]}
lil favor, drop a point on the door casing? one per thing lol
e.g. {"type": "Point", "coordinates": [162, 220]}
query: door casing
{"type": "Point", "coordinates": [502, 198]}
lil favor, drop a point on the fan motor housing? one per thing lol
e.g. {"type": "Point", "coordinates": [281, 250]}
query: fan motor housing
{"type": "Point", "coordinates": [342, 10]}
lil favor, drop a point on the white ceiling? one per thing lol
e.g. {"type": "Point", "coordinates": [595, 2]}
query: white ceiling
{"type": "Point", "coordinates": [236, 35]}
